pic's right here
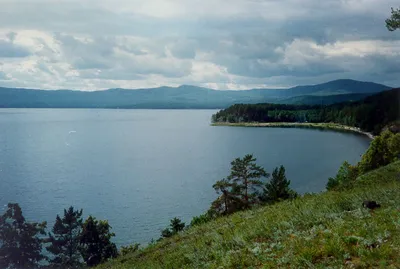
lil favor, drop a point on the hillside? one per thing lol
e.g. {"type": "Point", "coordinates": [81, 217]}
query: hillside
{"type": "Point", "coordinates": [324, 100]}
{"type": "Point", "coordinates": [370, 114]}
{"type": "Point", "coordinates": [324, 230]}
{"type": "Point", "coordinates": [186, 96]}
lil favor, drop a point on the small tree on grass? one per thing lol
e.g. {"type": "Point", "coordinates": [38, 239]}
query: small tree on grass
{"type": "Point", "coordinates": [96, 245]}
{"type": "Point", "coordinates": [246, 175]}
{"type": "Point", "coordinates": [229, 200]}
{"type": "Point", "coordinates": [176, 225]}
{"type": "Point", "coordinates": [346, 175]}
{"type": "Point", "coordinates": [277, 189]}
{"type": "Point", "coordinates": [65, 240]}
{"type": "Point", "coordinates": [20, 241]}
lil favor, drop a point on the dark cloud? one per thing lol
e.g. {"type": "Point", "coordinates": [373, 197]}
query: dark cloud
{"type": "Point", "coordinates": [240, 42]}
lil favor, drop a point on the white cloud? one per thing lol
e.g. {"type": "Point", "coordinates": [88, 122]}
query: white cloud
{"type": "Point", "coordinates": [96, 44]}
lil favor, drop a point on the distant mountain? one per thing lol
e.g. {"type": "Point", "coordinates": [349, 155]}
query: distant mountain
{"type": "Point", "coordinates": [324, 100]}
{"type": "Point", "coordinates": [187, 96]}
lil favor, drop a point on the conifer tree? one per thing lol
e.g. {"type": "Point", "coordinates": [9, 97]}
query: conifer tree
{"type": "Point", "coordinates": [65, 240]}
{"type": "Point", "coordinates": [393, 23]}
{"type": "Point", "coordinates": [176, 225]}
{"type": "Point", "coordinates": [278, 188]}
{"type": "Point", "coordinates": [96, 245]}
{"type": "Point", "coordinates": [20, 241]}
{"type": "Point", "coordinates": [246, 174]}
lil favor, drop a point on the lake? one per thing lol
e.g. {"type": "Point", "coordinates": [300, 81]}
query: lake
{"type": "Point", "coordinates": [140, 168]}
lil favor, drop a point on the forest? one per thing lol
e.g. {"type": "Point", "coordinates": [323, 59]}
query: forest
{"type": "Point", "coordinates": [370, 114]}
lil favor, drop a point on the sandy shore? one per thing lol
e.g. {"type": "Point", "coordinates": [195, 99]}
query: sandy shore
{"type": "Point", "coordinates": [331, 126]}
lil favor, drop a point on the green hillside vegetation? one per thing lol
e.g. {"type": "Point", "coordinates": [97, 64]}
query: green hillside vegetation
{"type": "Point", "coordinates": [370, 114]}
{"type": "Point", "coordinates": [285, 230]}
{"type": "Point", "coordinates": [331, 229]}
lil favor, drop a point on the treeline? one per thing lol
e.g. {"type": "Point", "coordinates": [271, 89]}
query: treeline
{"type": "Point", "coordinates": [370, 114]}
{"type": "Point", "coordinates": [72, 242]}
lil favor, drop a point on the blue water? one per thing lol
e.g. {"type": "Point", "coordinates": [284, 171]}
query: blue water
{"type": "Point", "coordinates": [140, 168]}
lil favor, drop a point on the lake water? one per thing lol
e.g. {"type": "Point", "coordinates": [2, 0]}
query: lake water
{"type": "Point", "coordinates": [140, 168]}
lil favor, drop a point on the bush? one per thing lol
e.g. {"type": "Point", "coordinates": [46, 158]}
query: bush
{"type": "Point", "coordinates": [346, 175]}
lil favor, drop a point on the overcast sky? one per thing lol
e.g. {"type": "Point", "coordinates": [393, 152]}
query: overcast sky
{"type": "Point", "coordinates": [221, 44]}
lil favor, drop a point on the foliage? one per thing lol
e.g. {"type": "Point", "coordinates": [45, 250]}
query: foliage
{"type": "Point", "coordinates": [65, 240]}
{"type": "Point", "coordinates": [96, 242]}
{"type": "Point", "coordinates": [246, 174]}
{"type": "Point", "coordinates": [346, 175]}
{"type": "Point", "coordinates": [393, 22]}
{"type": "Point", "coordinates": [227, 202]}
{"type": "Point", "coordinates": [239, 190]}
{"type": "Point", "coordinates": [20, 241]}
{"type": "Point", "coordinates": [129, 249]}
{"type": "Point", "coordinates": [316, 231]}
{"type": "Point", "coordinates": [383, 150]}
{"type": "Point", "coordinates": [175, 226]}
{"type": "Point", "coordinates": [201, 219]}
{"type": "Point", "coordinates": [370, 114]}
{"type": "Point", "coordinates": [277, 189]}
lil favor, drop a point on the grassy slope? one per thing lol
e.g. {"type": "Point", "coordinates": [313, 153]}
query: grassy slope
{"type": "Point", "coordinates": [316, 231]}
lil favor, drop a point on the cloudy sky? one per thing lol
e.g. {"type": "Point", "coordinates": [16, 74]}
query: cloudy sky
{"type": "Point", "coordinates": [235, 44]}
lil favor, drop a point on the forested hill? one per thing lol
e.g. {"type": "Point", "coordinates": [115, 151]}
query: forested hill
{"type": "Point", "coordinates": [370, 114]}
{"type": "Point", "coordinates": [187, 96]}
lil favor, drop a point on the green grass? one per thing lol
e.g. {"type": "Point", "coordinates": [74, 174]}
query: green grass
{"type": "Point", "coordinates": [327, 230]}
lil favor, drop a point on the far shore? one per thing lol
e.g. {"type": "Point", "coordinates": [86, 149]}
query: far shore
{"type": "Point", "coordinates": [331, 126]}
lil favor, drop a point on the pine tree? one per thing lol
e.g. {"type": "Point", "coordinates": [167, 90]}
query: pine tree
{"type": "Point", "coordinates": [20, 241]}
{"type": "Point", "coordinates": [246, 174]}
{"type": "Point", "coordinates": [65, 240]}
{"type": "Point", "coordinates": [176, 225]}
{"type": "Point", "coordinates": [227, 202]}
{"type": "Point", "coordinates": [393, 23]}
{"type": "Point", "coordinates": [222, 187]}
{"type": "Point", "coordinates": [96, 245]}
{"type": "Point", "coordinates": [278, 188]}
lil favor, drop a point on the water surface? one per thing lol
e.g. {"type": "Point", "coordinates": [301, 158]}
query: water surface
{"type": "Point", "coordinates": [140, 168]}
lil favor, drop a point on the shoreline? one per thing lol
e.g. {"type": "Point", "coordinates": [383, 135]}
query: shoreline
{"type": "Point", "coordinates": [328, 126]}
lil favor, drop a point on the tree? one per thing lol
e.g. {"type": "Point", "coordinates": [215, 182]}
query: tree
{"type": "Point", "coordinates": [278, 188]}
{"type": "Point", "coordinates": [223, 203]}
{"type": "Point", "coordinates": [346, 175]}
{"type": "Point", "coordinates": [96, 245]}
{"type": "Point", "coordinates": [383, 150]}
{"type": "Point", "coordinates": [201, 219]}
{"type": "Point", "coordinates": [20, 241]}
{"type": "Point", "coordinates": [175, 226]}
{"type": "Point", "coordinates": [246, 174]}
{"type": "Point", "coordinates": [65, 240]}
{"type": "Point", "coordinates": [393, 22]}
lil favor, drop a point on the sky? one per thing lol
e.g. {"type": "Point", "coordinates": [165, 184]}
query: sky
{"type": "Point", "coordinates": [230, 45]}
